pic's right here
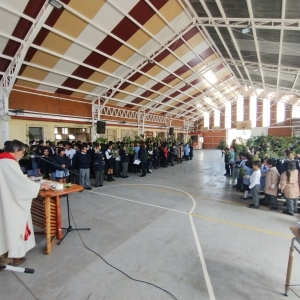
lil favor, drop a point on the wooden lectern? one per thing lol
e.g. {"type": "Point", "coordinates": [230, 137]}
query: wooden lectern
{"type": "Point", "coordinates": [296, 238]}
{"type": "Point", "coordinates": [45, 212]}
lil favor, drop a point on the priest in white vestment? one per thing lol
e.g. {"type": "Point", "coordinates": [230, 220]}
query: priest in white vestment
{"type": "Point", "coordinates": [16, 194]}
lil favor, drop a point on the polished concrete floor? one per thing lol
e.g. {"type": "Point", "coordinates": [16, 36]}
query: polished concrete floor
{"type": "Point", "coordinates": [183, 228]}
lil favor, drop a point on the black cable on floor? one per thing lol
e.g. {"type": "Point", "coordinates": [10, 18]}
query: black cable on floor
{"type": "Point", "coordinates": [146, 282]}
{"type": "Point", "coordinates": [295, 293]}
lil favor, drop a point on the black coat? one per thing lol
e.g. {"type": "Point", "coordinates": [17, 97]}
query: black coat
{"type": "Point", "coordinates": [142, 155]}
{"type": "Point", "coordinates": [82, 161]}
{"type": "Point", "coordinates": [45, 165]}
{"type": "Point", "coordinates": [124, 156]}
{"type": "Point", "coordinates": [61, 160]}
{"type": "Point", "coordinates": [98, 162]}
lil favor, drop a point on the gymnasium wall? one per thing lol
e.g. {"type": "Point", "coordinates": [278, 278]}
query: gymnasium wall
{"type": "Point", "coordinates": [212, 138]}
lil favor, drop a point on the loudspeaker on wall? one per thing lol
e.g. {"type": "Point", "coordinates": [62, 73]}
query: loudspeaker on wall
{"type": "Point", "coordinates": [101, 127]}
{"type": "Point", "coordinates": [171, 131]}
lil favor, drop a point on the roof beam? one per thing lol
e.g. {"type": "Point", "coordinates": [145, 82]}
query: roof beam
{"type": "Point", "coordinates": [231, 35]}
{"type": "Point", "coordinates": [256, 23]}
{"type": "Point", "coordinates": [11, 73]}
{"type": "Point", "coordinates": [280, 44]}
{"type": "Point", "coordinates": [274, 87]}
{"type": "Point", "coordinates": [263, 66]}
{"type": "Point", "coordinates": [249, 4]}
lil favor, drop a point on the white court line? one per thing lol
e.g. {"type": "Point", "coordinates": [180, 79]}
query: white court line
{"type": "Point", "coordinates": [201, 256]}
{"type": "Point", "coordinates": [129, 200]}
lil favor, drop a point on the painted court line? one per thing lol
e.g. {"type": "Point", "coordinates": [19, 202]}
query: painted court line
{"type": "Point", "coordinates": [200, 253]}
{"type": "Point", "coordinates": [196, 215]}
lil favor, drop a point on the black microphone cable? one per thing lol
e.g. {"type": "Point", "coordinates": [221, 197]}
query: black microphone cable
{"type": "Point", "coordinates": [137, 280]}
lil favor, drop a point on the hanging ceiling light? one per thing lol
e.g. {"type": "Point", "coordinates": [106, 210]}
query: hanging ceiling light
{"type": "Point", "coordinates": [55, 4]}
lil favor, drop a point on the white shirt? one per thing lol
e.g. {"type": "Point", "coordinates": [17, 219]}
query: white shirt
{"type": "Point", "coordinates": [255, 179]}
{"type": "Point", "coordinates": [70, 152]}
{"type": "Point", "coordinates": [108, 154]}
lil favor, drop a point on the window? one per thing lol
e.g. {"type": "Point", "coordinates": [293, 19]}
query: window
{"type": "Point", "coordinates": [216, 118]}
{"type": "Point", "coordinates": [240, 108]}
{"type": "Point", "coordinates": [37, 132]}
{"type": "Point", "coordinates": [64, 131]}
{"type": "Point", "coordinates": [206, 119]}
{"type": "Point", "coordinates": [227, 115]}
{"type": "Point", "coordinates": [295, 112]}
{"type": "Point", "coordinates": [266, 112]}
{"type": "Point", "coordinates": [280, 112]}
{"type": "Point", "coordinates": [253, 110]}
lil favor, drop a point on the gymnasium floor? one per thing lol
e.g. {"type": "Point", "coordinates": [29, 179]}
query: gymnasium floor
{"type": "Point", "coordinates": [183, 228]}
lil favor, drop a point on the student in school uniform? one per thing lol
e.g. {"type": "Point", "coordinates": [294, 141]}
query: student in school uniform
{"type": "Point", "coordinates": [271, 185]}
{"type": "Point", "coordinates": [124, 161]}
{"type": "Point", "coordinates": [155, 156]}
{"type": "Point", "coordinates": [62, 164]}
{"type": "Point", "coordinates": [109, 162]}
{"type": "Point", "coordinates": [255, 184]}
{"type": "Point", "coordinates": [290, 187]}
{"type": "Point", "coordinates": [98, 164]}
{"type": "Point", "coordinates": [172, 153]}
{"type": "Point", "coordinates": [82, 163]}
{"type": "Point", "coordinates": [142, 158]}
{"type": "Point", "coordinates": [246, 179]}
{"type": "Point", "coordinates": [191, 151]}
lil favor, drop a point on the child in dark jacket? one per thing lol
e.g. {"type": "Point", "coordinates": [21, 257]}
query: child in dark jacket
{"type": "Point", "coordinates": [124, 161]}
{"type": "Point", "coordinates": [82, 163]}
{"type": "Point", "coordinates": [98, 164]}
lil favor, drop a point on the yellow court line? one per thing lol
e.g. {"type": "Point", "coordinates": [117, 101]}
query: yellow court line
{"type": "Point", "coordinates": [213, 219]}
{"type": "Point", "coordinates": [243, 226]}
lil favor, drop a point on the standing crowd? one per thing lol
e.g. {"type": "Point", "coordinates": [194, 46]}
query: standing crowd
{"type": "Point", "coordinates": [272, 178]}
{"type": "Point", "coordinates": [77, 162]}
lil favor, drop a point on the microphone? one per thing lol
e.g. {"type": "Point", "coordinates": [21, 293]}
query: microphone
{"type": "Point", "coordinates": [34, 156]}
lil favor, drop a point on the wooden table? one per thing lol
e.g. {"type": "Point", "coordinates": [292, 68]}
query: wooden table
{"type": "Point", "coordinates": [296, 238]}
{"type": "Point", "coordinates": [45, 212]}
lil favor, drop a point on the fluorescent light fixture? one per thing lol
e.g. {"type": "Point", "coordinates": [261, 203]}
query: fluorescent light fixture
{"type": "Point", "coordinates": [55, 4]}
{"type": "Point", "coordinates": [246, 30]}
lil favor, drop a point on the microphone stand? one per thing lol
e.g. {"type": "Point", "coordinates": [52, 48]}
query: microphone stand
{"type": "Point", "coordinates": [69, 228]}
{"type": "Point", "coordinates": [16, 269]}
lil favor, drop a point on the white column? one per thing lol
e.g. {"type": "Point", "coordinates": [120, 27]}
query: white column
{"type": "Point", "coordinates": [280, 112]}
{"type": "Point", "coordinates": [295, 112]}
{"type": "Point", "coordinates": [206, 119]}
{"type": "Point", "coordinates": [217, 116]}
{"type": "Point", "coordinates": [4, 118]}
{"type": "Point", "coordinates": [240, 108]}
{"type": "Point", "coordinates": [266, 112]}
{"type": "Point", "coordinates": [253, 110]}
{"type": "Point", "coordinates": [227, 115]}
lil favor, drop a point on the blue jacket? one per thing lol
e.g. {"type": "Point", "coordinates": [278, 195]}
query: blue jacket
{"type": "Point", "coordinates": [136, 151]}
{"type": "Point", "coordinates": [186, 150]}
{"type": "Point", "coordinates": [248, 171]}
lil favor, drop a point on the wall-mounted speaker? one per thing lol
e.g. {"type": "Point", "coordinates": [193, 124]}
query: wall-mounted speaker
{"type": "Point", "coordinates": [171, 131]}
{"type": "Point", "coordinates": [101, 127]}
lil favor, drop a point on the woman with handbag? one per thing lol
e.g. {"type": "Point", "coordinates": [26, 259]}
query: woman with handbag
{"type": "Point", "coordinates": [290, 188]}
